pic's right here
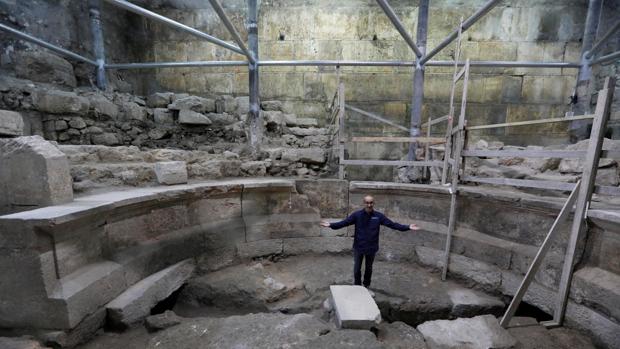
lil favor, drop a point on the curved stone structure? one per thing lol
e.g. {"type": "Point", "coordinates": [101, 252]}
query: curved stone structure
{"type": "Point", "coordinates": [62, 264]}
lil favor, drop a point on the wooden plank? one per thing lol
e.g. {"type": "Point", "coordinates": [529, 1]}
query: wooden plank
{"type": "Point", "coordinates": [459, 144]}
{"type": "Point", "coordinates": [431, 140]}
{"type": "Point", "coordinates": [459, 75]}
{"type": "Point", "coordinates": [376, 117]}
{"type": "Point", "coordinates": [542, 251]}
{"type": "Point", "coordinates": [435, 121]}
{"type": "Point", "coordinates": [531, 122]}
{"type": "Point", "coordinates": [391, 163]}
{"type": "Point", "coordinates": [562, 154]}
{"type": "Point", "coordinates": [588, 176]}
{"type": "Point", "coordinates": [525, 183]}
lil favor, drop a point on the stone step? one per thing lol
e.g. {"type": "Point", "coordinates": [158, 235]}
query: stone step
{"type": "Point", "coordinates": [89, 288]}
{"type": "Point", "coordinates": [354, 307]}
{"type": "Point", "coordinates": [597, 288]}
{"type": "Point", "coordinates": [137, 301]}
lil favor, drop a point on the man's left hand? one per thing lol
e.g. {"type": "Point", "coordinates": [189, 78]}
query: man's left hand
{"type": "Point", "coordinates": [413, 227]}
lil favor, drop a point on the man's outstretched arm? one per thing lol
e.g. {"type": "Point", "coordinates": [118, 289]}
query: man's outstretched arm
{"type": "Point", "coordinates": [337, 225]}
{"type": "Point", "coordinates": [397, 226]}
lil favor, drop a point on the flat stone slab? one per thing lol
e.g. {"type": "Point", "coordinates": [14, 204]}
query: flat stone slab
{"type": "Point", "coordinates": [11, 123]}
{"type": "Point", "coordinates": [136, 302]}
{"type": "Point", "coordinates": [354, 307]}
{"type": "Point", "coordinates": [480, 332]}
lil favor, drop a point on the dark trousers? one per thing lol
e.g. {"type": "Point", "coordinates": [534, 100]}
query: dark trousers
{"type": "Point", "coordinates": [357, 267]}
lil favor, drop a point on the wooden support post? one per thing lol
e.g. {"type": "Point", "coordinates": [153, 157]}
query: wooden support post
{"type": "Point", "coordinates": [459, 144]}
{"type": "Point", "coordinates": [427, 148]}
{"type": "Point", "coordinates": [542, 251]}
{"type": "Point", "coordinates": [448, 146]}
{"type": "Point", "coordinates": [341, 135]}
{"type": "Point", "coordinates": [585, 194]}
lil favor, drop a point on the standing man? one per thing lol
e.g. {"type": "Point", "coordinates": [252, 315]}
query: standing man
{"type": "Point", "coordinates": [366, 239]}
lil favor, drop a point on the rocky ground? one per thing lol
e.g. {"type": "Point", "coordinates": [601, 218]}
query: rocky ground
{"type": "Point", "coordinates": [266, 304]}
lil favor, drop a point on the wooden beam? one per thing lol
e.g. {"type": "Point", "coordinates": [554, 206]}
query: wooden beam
{"type": "Point", "coordinates": [531, 122]}
{"type": "Point", "coordinates": [562, 154]}
{"type": "Point", "coordinates": [341, 135]}
{"type": "Point", "coordinates": [431, 140]}
{"type": "Point", "coordinates": [588, 176]}
{"type": "Point", "coordinates": [459, 75]}
{"type": "Point", "coordinates": [391, 163]}
{"type": "Point", "coordinates": [542, 251]}
{"type": "Point", "coordinates": [526, 183]}
{"type": "Point", "coordinates": [376, 117]}
{"type": "Point", "coordinates": [435, 121]}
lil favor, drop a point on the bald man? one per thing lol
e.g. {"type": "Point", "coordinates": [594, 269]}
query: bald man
{"type": "Point", "coordinates": [366, 239]}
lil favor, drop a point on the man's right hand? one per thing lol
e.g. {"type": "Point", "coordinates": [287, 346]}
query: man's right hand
{"type": "Point", "coordinates": [324, 224]}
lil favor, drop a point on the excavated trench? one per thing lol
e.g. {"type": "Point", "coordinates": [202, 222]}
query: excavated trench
{"type": "Point", "coordinates": [273, 293]}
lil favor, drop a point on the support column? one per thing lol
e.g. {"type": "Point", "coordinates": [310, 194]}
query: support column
{"type": "Point", "coordinates": [255, 120]}
{"type": "Point", "coordinates": [581, 98]}
{"type": "Point", "coordinates": [418, 79]}
{"type": "Point", "coordinates": [98, 44]}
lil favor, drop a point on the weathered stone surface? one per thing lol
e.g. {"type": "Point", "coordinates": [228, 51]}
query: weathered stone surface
{"type": "Point", "coordinates": [19, 343]}
{"type": "Point", "coordinates": [479, 332]}
{"type": "Point", "coordinates": [60, 102]}
{"type": "Point", "coordinates": [33, 173]}
{"type": "Point", "coordinates": [271, 105]}
{"type": "Point", "coordinates": [398, 335]}
{"type": "Point", "coordinates": [158, 133]}
{"type": "Point", "coordinates": [306, 122]}
{"type": "Point", "coordinates": [254, 168]}
{"type": "Point", "coordinates": [309, 155]}
{"type": "Point", "coordinates": [106, 138]}
{"type": "Point", "coordinates": [243, 105]}
{"type": "Point", "coordinates": [222, 118]}
{"type": "Point", "coordinates": [133, 111]}
{"type": "Point", "coordinates": [103, 106]}
{"type": "Point", "coordinates": [194, 103]}
{"type": "Point", "coordinates": [354, 307]}
{"type": "Point", "coordinates": [11, 123]}
{"type": "Point", "coordinates": [162, 116]}
{"type": "Point", "coordinates": [171, 172]}
{"type": "Point", "coordinates": [136, 302]}
{"type": "Point", "coordinates": [259, 248]}
{"type": "Point", "coordinates": [530, 334]}
{"type": "Point", "coordinates": [77, 123]}
{"type": "Point", "coordinates": [468, 303]}
{"type": "Point", "coordinates": [162, 321]}
{"type": "Point", "coordinates": [319, 245]}
{"type": "Point", "coordinates": [226, 104]}
{"type": "Point", "coordinates": [343, 339]}
{"type": "Point", "coordinates": [43, 66]}
{"type": "Point", "coordinates": [190, 117]}
{"type": "Point", "coordinates": [246, 331]}
{"type": "Point", "coordinates": [304, 132]}
{"type": "Point", "coordinates": [159, 99]}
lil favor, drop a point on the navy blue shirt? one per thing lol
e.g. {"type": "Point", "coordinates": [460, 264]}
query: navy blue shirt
{"type": "Point", "coordinates": [366, 238]}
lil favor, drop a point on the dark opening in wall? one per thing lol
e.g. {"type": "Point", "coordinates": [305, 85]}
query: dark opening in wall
{"type": "Point", "coordinates": [167, 304]}
{"type": "Point", "coordinates": [374, 37]}
{"type": "Point", "coordinates": [528, 310]}
{"type": "Point", "coordinates": [281, 37]}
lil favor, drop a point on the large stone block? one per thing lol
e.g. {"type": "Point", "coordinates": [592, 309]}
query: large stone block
{"type": "Point", "coordinates": [171, 172]}
{"type": "Point", "coordinates": [33, 173]}
{"type": "Point", "coordinates": [11, 123]}
{"type": "Point", "coordinates": [136, 302]}
{"type": "Point", "coordinates": [478, 332]}
{"type": "Point", "coordinates": [308, 155]}
{"type": "Point", "coordinates": [354, 307]}
{"type": "Point", "coordinates": [190, 117]}
{"type": "Point", "coordinates": [60, 102]}
{"type": "Point", "coordinates": [43, 66]}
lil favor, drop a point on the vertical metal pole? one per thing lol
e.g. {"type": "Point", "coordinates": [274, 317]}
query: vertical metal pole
{"type": "Point", "coordinates": [256, 124]}
{"type": "Point", "coordinates": [581, 100]}
{"type": "Point", "coordinates": [418, 79]}
{"type": "Point", "coordinates": [98, 45]}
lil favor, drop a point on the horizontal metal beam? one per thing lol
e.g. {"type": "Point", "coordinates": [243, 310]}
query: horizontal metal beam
{"type": "Point", "coordinates": [47, 45]}
{"type": "Point", "coordinates": [606, 59]}
{"type": "Point", "coordinates": [600, 43]}
{"type": "Point", "coordinates": [422, 140]}
{"type": "Point", "coordinates": [466, 24]}
{"type": "Point", "coordinates": [560, 154]}
{"type": "Point", "coordinates": [156, 65]}
{"type": "Point", "coordinates": [399, 26]}
{"type": "Point", "coordinates": [336, 63]}
{"type": "Point", "coordinates": [162, 19]}
{"type": "Point", "coordinates": [231, 28]}
{"type": "Point", "coordinates": [376, 117]}
{"type": "Point", "coordinates": [526, 183]}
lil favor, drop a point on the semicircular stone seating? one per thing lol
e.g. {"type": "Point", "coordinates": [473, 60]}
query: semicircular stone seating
{"type": "Point", "coordinates": [63, 264]}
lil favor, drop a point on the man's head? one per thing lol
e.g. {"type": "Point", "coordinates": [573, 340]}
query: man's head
{"type": "Point", "coordinates": [369, 203]}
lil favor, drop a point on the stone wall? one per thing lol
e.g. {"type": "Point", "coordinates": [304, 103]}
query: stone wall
{"type": "Point", "coordinates": [118, 238]}
{"type": "Point", "coordinates": [359, 30]}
